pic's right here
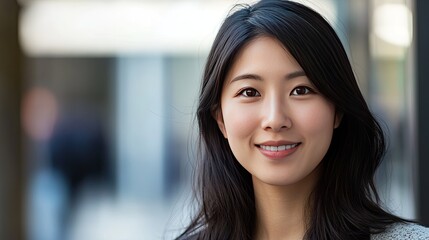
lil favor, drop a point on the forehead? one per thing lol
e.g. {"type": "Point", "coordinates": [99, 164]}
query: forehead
{"type": "Point", "coordinates": [264, 56]}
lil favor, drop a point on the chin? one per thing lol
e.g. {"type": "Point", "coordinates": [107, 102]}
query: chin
{"type": "Point", "coordinates": [286, 179]}
{"type": "Point", "coordinates": [277, 180]}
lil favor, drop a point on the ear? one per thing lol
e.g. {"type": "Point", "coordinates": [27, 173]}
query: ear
{"type": "Point", "coordinates": [338, 118]}
{"type": "Point", "coordinates": [217, 114]}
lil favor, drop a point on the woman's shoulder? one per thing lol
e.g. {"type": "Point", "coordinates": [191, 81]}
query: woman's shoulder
{"type": "Point", "coordinates": [403, 231]}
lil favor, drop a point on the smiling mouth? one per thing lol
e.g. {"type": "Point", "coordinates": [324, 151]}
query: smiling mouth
{"type": "Point", "coordinates": [278, 148]}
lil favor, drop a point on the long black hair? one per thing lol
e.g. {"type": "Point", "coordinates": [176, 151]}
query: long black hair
{"type": "Point", "coordinates": [344, 202]}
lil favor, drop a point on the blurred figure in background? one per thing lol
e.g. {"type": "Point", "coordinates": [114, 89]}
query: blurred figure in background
{"type": "Point", "coordinates": [78, 152]}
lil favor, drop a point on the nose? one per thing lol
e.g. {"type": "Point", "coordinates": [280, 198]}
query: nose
{"type": "Point", "coordinates": [276, 116]}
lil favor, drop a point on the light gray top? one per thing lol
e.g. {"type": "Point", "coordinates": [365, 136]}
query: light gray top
{"type": "Point", "coordinates": [403, 231]}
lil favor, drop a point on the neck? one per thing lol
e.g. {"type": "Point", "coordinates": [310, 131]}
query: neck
{"type": "Point", "coordinates": [281, 210]}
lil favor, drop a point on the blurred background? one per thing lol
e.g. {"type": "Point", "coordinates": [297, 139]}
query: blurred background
{"type": "Point", "coordinates": [97, 101]}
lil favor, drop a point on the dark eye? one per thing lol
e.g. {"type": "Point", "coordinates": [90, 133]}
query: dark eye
{"type": "Point", "coordinates": [249, 92]}
{"type": "Point", "coordinates": [301, 91]}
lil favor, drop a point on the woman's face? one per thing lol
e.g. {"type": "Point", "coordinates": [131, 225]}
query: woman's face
{"type": "Point", "coordinates": [278, 125]}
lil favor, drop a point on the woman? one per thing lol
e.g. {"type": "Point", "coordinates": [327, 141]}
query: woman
{"type": "Point", "coordinates": [289, 146]}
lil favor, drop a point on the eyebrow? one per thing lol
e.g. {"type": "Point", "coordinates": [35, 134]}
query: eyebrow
{"type": "Point", "coordinates": [288, 76]}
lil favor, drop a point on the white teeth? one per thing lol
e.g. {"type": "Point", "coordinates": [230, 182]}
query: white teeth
{"type": "Point", "coordinates": [278, 148]}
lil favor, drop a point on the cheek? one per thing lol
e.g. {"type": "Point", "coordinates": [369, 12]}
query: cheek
{"type": "Point", "coordinates": [240, 121]}
{"type": "Point", "coordinates": [315, 119]}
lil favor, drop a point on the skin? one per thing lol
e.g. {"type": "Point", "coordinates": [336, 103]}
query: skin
{"type": "Point", "coordinates": [268, 100]}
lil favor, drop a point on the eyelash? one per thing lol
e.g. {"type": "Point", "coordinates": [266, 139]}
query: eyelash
{"type": "Point", "coordinates": [243, 91]}
{"type": "Point", "coordinates": [307, 90]}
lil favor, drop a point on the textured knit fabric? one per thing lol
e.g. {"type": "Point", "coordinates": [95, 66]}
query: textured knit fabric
{"type": "Point", "coordinates": [403, 231]}
{"type": "Point", "coordinates": [398, 231]}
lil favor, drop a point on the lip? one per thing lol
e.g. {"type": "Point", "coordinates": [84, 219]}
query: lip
{"type": "Point", "coordinates": [276, 143]}
{"type": "Point", "coordinates": [280, 154]}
